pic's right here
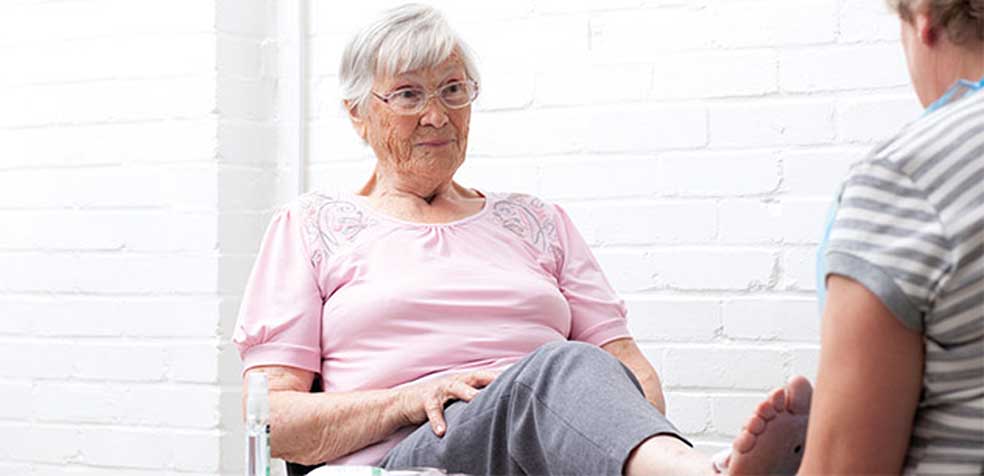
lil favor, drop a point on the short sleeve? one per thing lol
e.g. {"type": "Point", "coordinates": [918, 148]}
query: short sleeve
{"type": "Point", "coordinates": [597, 313]}
{"type": "Point", "coordinates": [888, 237]}
{"type": "Point", "coordinates": [280, 315]}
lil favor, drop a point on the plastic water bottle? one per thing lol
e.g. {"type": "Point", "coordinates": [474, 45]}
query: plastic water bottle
{"type": "Point", "coordinates": [257, 425]}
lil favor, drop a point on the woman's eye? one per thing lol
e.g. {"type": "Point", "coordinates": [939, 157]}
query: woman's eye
{"type": "Point", "coordinates": [407, 94]}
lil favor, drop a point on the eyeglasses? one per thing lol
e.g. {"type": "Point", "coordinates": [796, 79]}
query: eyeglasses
{"type": "Point", "coordinates": [409, 101]}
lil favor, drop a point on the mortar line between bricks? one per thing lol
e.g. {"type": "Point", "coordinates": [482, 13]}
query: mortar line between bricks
{"type": "Point", "coordinates": [694, 246]}
{"type": "Point", "coordinates": [44, 296]}
{"type": "Point", "coordinates": [710, 392]}
{"type": "Point", "coordinates": [80, 339]}
{"type": "Point", "coordinates": [59, 294]}
{"type": "Point", "coordinates": [77, 464]}
{"type": "Point", "coordinates": [204, 164]}
{"type": "Point", "coordinates": [129, 166]}
{"type": "Point", "coordinates": [59, 467]}
{"type": "Point", "coordinates": [122, 36]}
{"type": "Point", "coordinates": [163, 385]}
{"type": "Point", "coordinates": [102, 79]}
{"type": "Point", "coordinates": [113, 340]}
{"type": "Point", "coordinates": [725, 392]}
{"type": "Point", "coordinates": [170, 210]}
{"type": "Point", "coordinates": [82, 425]}
{"type": "Point", "coordinates": [114, 122]}
{"type": "Point", "coordinates": [209, 117]}
{"type": "Point", "coordinates": [117, 382]}
{"type": "Point", "coordinates": [131, 253]}
{"type": "Point", "coordinates": [714, 295]}
{"type": "Point", "coordinates": [567, 158]}
{"type": "Point", "coordinates": [210, 75]}
{"type": "Point", "coordinates": [245, 37]}
{"type": "Point", "coordinates": [125, 211]}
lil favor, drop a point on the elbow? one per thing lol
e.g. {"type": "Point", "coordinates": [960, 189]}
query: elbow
{"type": "Point", "coordinates": [297, 458]}
{"type": "Point", "coordinates": [302, 439]}
{"type": "Point", "coordinates": [295, 452]}
{"type": "Point", "coordinates": [658, 402]}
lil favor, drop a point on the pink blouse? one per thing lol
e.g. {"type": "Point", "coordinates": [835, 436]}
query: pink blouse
{"type": "Point", "coordinates": [372, 302]}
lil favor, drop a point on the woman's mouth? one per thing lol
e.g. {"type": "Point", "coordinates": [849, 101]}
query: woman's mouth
{"type": "Point", "coordinates": [434, 143]}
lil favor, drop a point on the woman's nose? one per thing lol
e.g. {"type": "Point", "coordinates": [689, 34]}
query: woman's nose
{"type": "Point", "coordinates": [434, 114]}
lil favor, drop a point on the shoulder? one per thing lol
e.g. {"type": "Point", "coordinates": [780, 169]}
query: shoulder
{"type": "Point", "coordinates": [932, 160]}
{"type": "Point", "coordinates": [525, 208]}
{"type": "Point", "coordinates": [522, 202]}
{"type": "Point", "coordinates": [930, 141]}
{"type": "Point", "coordinates": [527, 216]}
{"type": "Point", "coordinates": [329, 221]}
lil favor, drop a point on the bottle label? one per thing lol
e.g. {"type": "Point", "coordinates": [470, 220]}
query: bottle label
{"type": "Point", "coordinates": [266, 450]}
{"type": "Point", "coordinates": [258, 451]}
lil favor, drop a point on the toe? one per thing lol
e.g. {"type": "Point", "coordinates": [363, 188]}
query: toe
{"type": "Point", "coordinates": [778, 399]}
{"type": "Point", "coordinates": [755, 425]}
{"type": "Point", "coordinates": [744, 442]}
{"type": "Point", "coordinates": [799, 393]}
{"type": "Point", "coordinates": [766, 410]}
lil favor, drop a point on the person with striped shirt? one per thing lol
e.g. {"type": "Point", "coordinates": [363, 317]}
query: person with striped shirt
{"type": "Point", "coordinates": [900, 386]}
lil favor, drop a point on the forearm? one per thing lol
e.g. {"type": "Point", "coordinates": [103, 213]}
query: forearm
{"type": "Point", "coordinates": [652, 387]}
{"type": "Point", "coordinates": [310, 428]}
{"type": "Point", "coordinates": [627, 352]}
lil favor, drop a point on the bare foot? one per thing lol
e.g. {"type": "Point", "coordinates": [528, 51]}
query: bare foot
{"type": "Point", "coordinates": [773, 439]}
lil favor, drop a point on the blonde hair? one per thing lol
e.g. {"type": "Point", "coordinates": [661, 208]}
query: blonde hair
{"type": "Point", "coordinates": [962, 20]}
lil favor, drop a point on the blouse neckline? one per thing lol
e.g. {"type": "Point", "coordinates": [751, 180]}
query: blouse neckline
{"type": "Point", "coordinates": [363, 202]}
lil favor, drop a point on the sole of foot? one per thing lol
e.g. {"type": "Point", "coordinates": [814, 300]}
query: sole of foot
{"type": "Point", "coordinates": [773, 440]}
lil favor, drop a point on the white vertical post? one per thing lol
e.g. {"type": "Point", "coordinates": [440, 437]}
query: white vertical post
{"type": "Point", "coordinates": [292, 34]}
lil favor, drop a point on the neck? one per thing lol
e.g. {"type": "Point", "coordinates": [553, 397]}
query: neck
{"type": "Point", "coordinates": [415, 187]}
{"type": "Point", "coordinates": [959, 63]}
{"type": "Point", "coordinates": [969, 63]}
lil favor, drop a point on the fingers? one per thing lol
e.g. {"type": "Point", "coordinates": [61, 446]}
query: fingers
{"type": "Point", "coordinates": [481, 378]}
{"type": "Point", "coordinates": [461, 391]}
{"type": "Point", "coordinates": [435, 415]}
{"type": "Point", "coordinates": [435, 405]}
{"type": "Point", "coordinates": [463, 387]}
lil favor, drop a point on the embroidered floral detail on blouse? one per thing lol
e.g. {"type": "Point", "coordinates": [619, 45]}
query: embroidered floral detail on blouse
{"type": "Point", "coordinates": [330, 223]}
{"type": "Point", "coordinates": [528, 218]}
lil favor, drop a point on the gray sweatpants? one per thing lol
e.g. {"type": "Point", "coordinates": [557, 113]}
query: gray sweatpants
{"type": "Point", "coordinates": [567, 408]}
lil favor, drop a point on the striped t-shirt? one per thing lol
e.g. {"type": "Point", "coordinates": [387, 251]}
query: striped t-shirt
{"type": "Point", "coordinates": [910, 228]}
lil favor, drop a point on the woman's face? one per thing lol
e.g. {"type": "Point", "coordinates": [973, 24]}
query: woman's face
{"type": "Point", "coordinates": [430, 143]}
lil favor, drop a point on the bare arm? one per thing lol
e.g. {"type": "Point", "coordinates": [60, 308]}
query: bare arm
{"type": "Point", "coordinates": [867, 388]}
{"type": "Point", "coordinates": [626, 351]}
{"type": "Point", "coordinates": [311, 428]}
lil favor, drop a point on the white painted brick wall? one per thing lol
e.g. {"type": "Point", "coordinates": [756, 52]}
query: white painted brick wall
{"type": "Point", "coordinates": [696, 144]}
{"type": "Point", "coordinates": [111, 251]}
{"type": "Point", "coordinates": [249, 179]}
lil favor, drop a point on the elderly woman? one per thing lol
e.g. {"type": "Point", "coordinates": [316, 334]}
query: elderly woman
{"type": "Point", "coordinates": [447, 326]}
{"type": "Point", "coordinates": [901, 379]}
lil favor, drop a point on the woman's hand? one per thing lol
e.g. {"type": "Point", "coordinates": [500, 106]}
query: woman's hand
{"type": "Point", "coordinates": [425, 400]}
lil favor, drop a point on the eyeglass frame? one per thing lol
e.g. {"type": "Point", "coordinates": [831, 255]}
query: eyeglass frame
{"type": "Point", "coordinates": [427, 97]}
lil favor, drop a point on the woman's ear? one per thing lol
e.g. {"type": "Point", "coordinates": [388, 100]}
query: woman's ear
{"type": "Point", "coordinates": [923, 23]}
{"type": "Point", "coordinates": [355, 115]}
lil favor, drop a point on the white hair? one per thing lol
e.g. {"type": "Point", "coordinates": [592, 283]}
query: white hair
{"type": "Point", "coordinates": [402, 39]}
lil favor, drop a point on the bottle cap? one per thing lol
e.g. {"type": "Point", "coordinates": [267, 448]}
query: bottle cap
{"type": "Point", "coordinates": [257, 397]}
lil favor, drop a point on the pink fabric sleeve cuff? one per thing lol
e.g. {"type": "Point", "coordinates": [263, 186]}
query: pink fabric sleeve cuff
{"type": "Point", "coordinates": [605, 332]}
{"type": "Point", "coordinates": [282, 354]}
